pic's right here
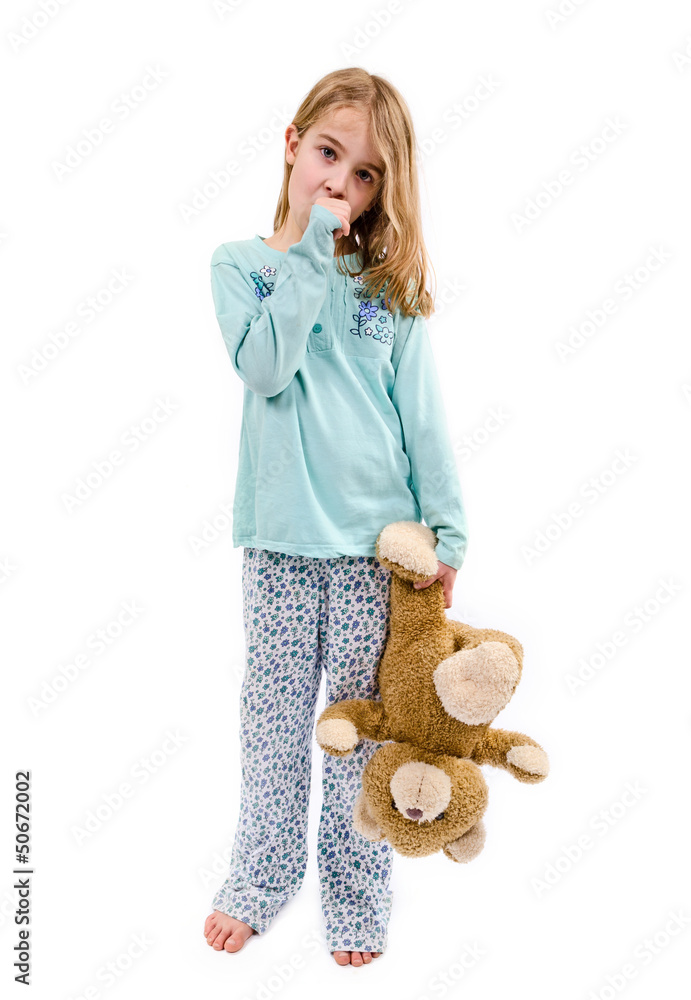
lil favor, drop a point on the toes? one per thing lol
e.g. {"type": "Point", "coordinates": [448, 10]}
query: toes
{"type": "Point", "coordinates": [355, 957]}
{"type": "Point", "coordinates": [238, 936]}
{"type": "Point", "coordinates": [233, 943]}
{"type": "Point", "coordinates": [214, 933]}
{"type": "Point", "coordinates": [220, 938]}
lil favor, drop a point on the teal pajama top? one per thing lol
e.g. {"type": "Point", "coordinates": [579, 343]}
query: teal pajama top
{"type": "Point", "coordinates": [343, 424]}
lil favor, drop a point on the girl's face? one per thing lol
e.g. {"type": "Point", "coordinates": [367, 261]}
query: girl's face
{"type": "Point", "coordinates": [332, 159]}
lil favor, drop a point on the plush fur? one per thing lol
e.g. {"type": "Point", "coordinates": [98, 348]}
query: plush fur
{"type": "Point", "coordinates": [441, 683]}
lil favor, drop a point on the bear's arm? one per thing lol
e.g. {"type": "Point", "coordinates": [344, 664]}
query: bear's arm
{"type": "Point", "coordinates": [342, 725]}
{"type": "Point", "coordinates": [515, 752]}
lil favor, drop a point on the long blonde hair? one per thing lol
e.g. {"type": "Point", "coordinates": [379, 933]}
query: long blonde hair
{"type": "Point", "coordinates": [388, 236]}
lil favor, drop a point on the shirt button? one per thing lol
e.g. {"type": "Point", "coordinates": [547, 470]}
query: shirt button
{"type": "Point", "coordinates": [317, 328]}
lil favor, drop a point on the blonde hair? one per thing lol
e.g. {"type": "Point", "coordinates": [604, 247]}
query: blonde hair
{"type": "Point", "coordinates": [388, 236]}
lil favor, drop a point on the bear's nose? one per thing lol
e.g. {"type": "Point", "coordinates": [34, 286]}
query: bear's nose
{"type": "Point", "coordinates": [414, 813]}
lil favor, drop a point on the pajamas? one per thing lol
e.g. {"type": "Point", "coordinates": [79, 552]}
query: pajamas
{"type": "Point", "coordinates": [302, 612]}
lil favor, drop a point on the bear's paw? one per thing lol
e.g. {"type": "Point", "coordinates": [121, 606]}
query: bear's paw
{"type": "Point", "coordinates": [337, 734]}
{"type": "Point", "coordinates": [529, 758]}
{"type": "Point", "coordinates": [363, 821]}
{"type": "Point", "coordinates": [468, 846]}
{"type": "Point", "coordinates": [410, 545]}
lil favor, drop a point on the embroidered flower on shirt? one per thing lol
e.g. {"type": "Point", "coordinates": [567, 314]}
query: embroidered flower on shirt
{"type": "Point", "coordinates": [384, 334]}
{"type": "Point", "coordinates": [367, 312]}
{"type": "Point", "coordinates": [263, 288]}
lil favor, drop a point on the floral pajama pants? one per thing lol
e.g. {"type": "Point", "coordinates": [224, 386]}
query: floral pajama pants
{"type": "Point", "coordinates": [301, 613]}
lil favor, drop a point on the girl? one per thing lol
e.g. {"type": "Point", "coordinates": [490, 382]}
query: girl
{"type": "Point", "coordinates": [343, 432]}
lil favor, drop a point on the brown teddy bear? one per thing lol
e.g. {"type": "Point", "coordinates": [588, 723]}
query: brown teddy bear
{"type": "Point", "coordinates": [441, 683]}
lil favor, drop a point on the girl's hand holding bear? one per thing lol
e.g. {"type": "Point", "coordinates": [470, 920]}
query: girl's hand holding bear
{"type": "Point", "coordinates": [447, 575]}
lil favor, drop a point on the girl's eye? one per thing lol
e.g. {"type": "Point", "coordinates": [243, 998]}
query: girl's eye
{"type": "Point", "coordinates": [369, 175]}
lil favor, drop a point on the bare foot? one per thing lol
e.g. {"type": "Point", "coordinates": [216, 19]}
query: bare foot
{"type": "Point", "coordinates": [222, 931]}
{"type": "Point", "coordinates": [354, 957]}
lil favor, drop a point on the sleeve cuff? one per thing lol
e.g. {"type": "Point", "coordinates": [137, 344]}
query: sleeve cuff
{"type": "Point", "coordinates": [451, 556]}
{"type": "Point", "coordinates": [326, 215]}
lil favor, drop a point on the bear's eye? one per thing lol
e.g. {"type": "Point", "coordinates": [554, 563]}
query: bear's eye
{"type": "Point", "coordinates": [393, 804]}
{"type": "Point", "coordinates": [440, 816]}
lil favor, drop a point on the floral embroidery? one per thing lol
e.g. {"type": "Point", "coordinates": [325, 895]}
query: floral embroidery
{"type": "Point", "coordinates": [263, 288]}
{"type": "Point", "coordinates": [381, 330]}
{"type": "Point", "coordinates": [367, 315]}
{"type": "Point", "coordinates": [372, 319]}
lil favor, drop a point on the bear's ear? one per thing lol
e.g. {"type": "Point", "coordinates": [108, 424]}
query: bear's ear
{"type": "Point", "coordinates": [363, 821]}
{"type": "Point", "coordinates": [475, 684]}
{"type": "Point", "coordinates": [407, 548]}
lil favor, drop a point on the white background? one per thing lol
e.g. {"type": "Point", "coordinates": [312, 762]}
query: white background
{"type": "Point", "coordinates": [230, 78]}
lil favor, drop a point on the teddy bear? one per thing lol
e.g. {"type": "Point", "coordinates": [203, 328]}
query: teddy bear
{"type": "Point", "coordinates": [442, 683]}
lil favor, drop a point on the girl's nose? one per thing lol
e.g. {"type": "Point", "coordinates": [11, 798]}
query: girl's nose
{"type": "Point", "coordinates": [336, 188]}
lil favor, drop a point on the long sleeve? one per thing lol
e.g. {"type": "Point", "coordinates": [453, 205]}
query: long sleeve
{"type": "Point", "coordinates": [418, 399]}
{"type": "Point", "coordinates": [266, 339]}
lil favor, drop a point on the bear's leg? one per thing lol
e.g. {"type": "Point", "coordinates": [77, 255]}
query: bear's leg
{"type": "Point", "coordinates": [469, 845]}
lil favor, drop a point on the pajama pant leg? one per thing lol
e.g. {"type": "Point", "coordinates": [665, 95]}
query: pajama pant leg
{"type": "Point", "coordinates": [354, 873]}
{"type": "Point", "coordinates": [301, 613]}
{"type": "Point", "coordinates": [281, 602]}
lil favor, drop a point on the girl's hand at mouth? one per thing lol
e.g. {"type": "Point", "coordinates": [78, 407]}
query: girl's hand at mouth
{"type": "Point", "coordinates": [341, 208]}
